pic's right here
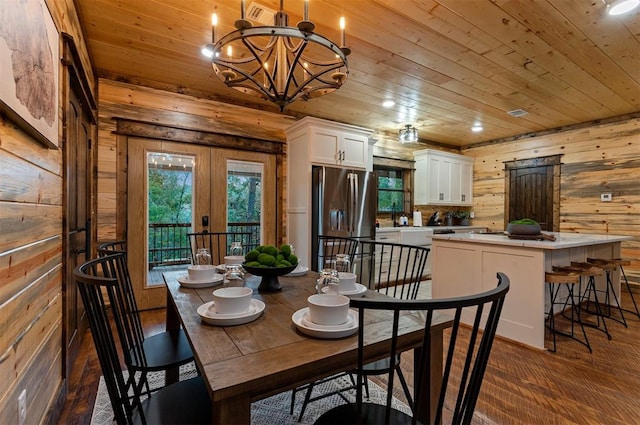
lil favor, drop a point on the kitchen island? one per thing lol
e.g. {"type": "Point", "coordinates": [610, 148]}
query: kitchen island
{"type": "Point", "coordinates": [466, 263]}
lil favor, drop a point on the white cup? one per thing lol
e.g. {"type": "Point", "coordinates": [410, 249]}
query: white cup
{"type": "Point", "coordinates": [199, 272]}
{"type": "Point", "coordinates": [328, 309]}
{"type": "Point", "coordinates": [347, 281]}
{"type": "Point", "coordinates": [232, 300]}
{"type": "Point", "coordinates": [233, 259]}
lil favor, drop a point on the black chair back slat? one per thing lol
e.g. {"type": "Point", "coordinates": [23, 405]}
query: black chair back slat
{"type": "Point", "coordinates": [218, 244]}
{"type": "Point", "coordinates": [328, 248]}
{"type": "Point", "coordinates": [393, 269]}
{"type": "Point", "coordinates": [130, 320]}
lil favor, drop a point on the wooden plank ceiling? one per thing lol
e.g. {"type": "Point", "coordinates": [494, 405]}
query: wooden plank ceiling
{"type": "Point", "coordinates": [446, 63]}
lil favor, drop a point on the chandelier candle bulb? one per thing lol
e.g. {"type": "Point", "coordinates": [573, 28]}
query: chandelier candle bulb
{"type": "Point", "coordinates": [266, 72]}
{"type": "Point", "coordinates": [344, 35]}
{"type": "Point", "coordinates": [306, 10]}
{"type": "Point", "coordinates": [242, 10]}
{"type": "Point", "coordinates": [214, 24]}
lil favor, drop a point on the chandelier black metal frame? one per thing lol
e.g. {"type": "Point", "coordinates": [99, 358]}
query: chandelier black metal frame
{"type": "Point", "coordinates": [278, 62]}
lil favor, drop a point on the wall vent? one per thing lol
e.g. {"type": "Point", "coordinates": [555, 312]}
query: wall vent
{"type": "Point", "coordinates": [518, 113]}
{"type": "Point", "coordinates": [260, 14]}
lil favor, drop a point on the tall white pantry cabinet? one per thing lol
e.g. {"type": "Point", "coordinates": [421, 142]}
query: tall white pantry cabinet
{"type": "Point", "coordinates": [310, 142]}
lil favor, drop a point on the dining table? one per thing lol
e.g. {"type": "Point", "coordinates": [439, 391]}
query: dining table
{"type": "Point", "coordinates": [251, 361]}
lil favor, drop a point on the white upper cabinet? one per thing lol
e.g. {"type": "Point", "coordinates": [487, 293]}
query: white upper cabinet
{"type": "Point", "coordinates": [329, 143]}
{"type": "Point", "coordinates": [443, 178]}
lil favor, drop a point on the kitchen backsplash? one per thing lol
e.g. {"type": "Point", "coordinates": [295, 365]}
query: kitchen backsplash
{"type": "Point", "coordinates": [456, 213]}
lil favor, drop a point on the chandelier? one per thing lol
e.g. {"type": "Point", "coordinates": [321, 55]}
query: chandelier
{"type": "Point", "coordinates": [278, 62]}
{"type": "Point", "coordinates": [408, 134]}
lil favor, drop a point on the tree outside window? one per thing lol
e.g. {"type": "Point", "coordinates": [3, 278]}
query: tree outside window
{"type": "Point", "coordinates": [390, 189]}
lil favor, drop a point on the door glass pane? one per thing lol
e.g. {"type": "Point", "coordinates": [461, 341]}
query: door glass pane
{"type": "Point", "coordinates": [244, 201]}
{"type": "Point", "coordinates": [170, 211]}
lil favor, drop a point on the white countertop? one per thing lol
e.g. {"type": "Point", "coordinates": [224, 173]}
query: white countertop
{"type": "Point", "coordinates": [426, 228]}
{"type": "Point", "coordinates": [563, 240]}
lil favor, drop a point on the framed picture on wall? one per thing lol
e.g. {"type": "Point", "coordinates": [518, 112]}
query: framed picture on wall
{"type": "Point", "coordinates": [29, 68]}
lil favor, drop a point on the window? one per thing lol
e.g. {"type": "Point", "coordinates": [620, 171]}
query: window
{"type": "Point", "coordinates": [390, 189]}
{"type": "Point", "coordinates": [244, 200]}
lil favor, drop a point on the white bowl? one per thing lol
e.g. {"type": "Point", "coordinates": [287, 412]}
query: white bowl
{"type": "Point", "coordinates": [232, 300]}
{"type": "Point", "coordinates": [233, 259]}
{"type": "Point", "coordinates": [328, 309]}
{"type": "Point", "coordinates": [347, 281]}
{"type": "Point", "coordinates": [201, 272]}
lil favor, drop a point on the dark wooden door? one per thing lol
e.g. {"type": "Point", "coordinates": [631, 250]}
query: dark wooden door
{"type": "Point", "coordinates": [533, 190]}
{"type": "Point", "coordinates": [76, 220]}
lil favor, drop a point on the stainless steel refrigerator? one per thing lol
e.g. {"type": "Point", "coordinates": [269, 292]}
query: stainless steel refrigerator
{"type": "Point", "coordinates": [344, 203]}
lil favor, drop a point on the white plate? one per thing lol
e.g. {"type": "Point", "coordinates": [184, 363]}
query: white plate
{"type": "Point", "coordinates": [358, 292]}
{"type": "Point", "coordinates": [208, 315]}
{"type": "Point", "coordinates": [304, 325]}
{"type": "Point", "coordinates": [298, 271]}
{"type": "Point", "coordinates": [193, 283]}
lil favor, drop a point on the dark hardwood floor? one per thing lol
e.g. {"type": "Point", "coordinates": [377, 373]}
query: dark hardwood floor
{"type": "Point", "coordinates": [521, 385]}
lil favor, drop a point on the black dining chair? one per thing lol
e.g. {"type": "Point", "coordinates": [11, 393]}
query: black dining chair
{"type": "Point", "coordinates": [465, 357]}
{"type": "Point", "coordinates": [166, 350]}
{"type": "Point", "coordinates": [397, 271]}
{"type": "Point", "coordinates": [327, 248]}
{"type": "Point", "coordinates": [219, 244]}
{"type": "Point", "coordinates": [107, 305]}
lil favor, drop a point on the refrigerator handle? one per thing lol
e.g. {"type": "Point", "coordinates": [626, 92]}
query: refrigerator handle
{"type": "Point", "coordinates": [353, 200]}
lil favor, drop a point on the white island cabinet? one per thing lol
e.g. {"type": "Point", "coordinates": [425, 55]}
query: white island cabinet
{"type": "Point", "coordinates": [310, 142]}
{"type": "Point", "coordinates": [464, 264]}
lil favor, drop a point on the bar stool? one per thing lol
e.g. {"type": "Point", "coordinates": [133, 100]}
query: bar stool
{"type": "Point", "coordinates": [569, 280]}
{"type": "Point", "coordinates": [622, 262]}
{"type": "Point", "coordinates": [608, 267]}
{"type": "Point", "coordinates": [590, 271]}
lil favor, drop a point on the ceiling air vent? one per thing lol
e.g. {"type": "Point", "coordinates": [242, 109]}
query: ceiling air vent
{"type": "Point", "coordinates": [260, 14]}
{"type": "Point", "coordinates": [518, 113]}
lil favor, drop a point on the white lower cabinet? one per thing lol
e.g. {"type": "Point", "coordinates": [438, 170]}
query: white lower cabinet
{"type": "Point", "coordinates": [389, 256]}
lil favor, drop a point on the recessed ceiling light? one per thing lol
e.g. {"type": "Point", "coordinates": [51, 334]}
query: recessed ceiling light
{"type": "Point", "coordinates": [388, 103]}
{"type": "Point", "coordinates": [620, 7]}
{"type": "Point", "coordinates": [477, 128]}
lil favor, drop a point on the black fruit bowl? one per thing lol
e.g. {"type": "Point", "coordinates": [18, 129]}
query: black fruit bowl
{"type": "Point", "coordinates": [523, 229]}
{"type": "Point", "coordinates": [269, 282]}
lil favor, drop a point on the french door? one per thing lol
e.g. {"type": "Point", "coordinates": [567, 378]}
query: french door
{"type": "Point", "coordinates": [178, 187]}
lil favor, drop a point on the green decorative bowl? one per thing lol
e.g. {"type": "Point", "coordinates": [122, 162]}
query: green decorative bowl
{"type": "Point", "coordinates": [269, 275]}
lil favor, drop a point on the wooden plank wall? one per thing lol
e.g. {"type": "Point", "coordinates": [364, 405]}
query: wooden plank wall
{"type": "Point", "coordinates": [31, 203]}
{"type": "Point", "coordinates": [602, 158]}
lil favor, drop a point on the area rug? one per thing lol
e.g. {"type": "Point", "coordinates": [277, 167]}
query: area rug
{"type": "Point", "coordinates": [270, 411]}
